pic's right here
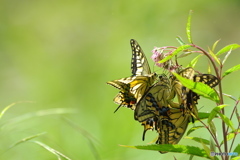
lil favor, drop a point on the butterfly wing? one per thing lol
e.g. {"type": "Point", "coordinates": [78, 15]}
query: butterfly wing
{"type": "Point", "coordinates": [124, 97]}
{"type": "Point", "coordinates": [156, 111]}
{"type": "Point", "coordinates": [153, 100]}
{"type": "Point", "coordinates": [134, 87]}
{"type": "Point", "coordinates": [139, 64]}
{"type": "Point", "coordinates": [186, 97]}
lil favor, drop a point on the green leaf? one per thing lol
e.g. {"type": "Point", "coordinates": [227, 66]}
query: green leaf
{"type": "Point", "coordinates": [212, 145]}
{"type": "Point", "coordinates": [179, 39]}
{"type": "Point", "coordinates": [233, 69]}
{"type": "Point", "coordinates": [229, 96]}
{"type": "Point", "coordinates": [237, 151]}
{"type": "Point", "coordinates": [236, 158]}
{"type": "Point", "coordinates": [53, 111]}
{"type": "Point", "coordinates": [192, 150]}
{"type": "Point", "coordinates": [209, 69]}
{"type": "Point", "coordinates": [179, 49]}
{"type": "Point", "coordinates": [226, 57]}
{"type": "Point", "coordinates": [26, 139]}
{"type": "Point", "coordinates": [186, 53]}
{"type": "Point", "coordinates": [214, 56]}
{"type": "Point", "coordinates": [193, 129]}
{"type": "Point", "coordinates": [227, 48]}
{"type": "Point", "coordinates": [231, 135]}
{"type": "Point", "coordinates": [199, 140]}
{"type": "Point", "coordinates": [214, 45]}
{"type": "Point", "coordinates": [51, 150]}
{"type": "Point", "coordinates": [227, 121]}
{"type": "Point", "coordinates": [212, 128]}
{"type": "Point", "coordinates": [9, 106]}
{"type": "Point", "coordinates": [203, 115]}
{"type": "Point", "coordinates": [207, 149]}
{"type": "Point", "coordinates": [215, 111]}
{"type": "Point", "coordinates": [199, 88]}
{"type": "Point", "coordinates": [188, 28]}
{"type": "Point", "coordinates": [194, 61]}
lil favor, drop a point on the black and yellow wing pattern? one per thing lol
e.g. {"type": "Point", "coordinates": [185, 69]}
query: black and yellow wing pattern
{"type": "Point", "coordinates": [133, 88]}
{"type": "Point", "coordinates": [187, 98]}
{"type": "Point", "coordinates": [156, 110]}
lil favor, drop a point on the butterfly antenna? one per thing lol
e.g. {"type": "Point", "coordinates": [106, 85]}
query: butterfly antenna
{"type": "Point", "coordinates": [144, 132]}
{"type": "Point", "coordinates": [117, 108]}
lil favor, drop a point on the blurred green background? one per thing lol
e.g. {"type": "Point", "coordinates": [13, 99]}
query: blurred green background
{"type": "Point", "coordinates": [60, 54]}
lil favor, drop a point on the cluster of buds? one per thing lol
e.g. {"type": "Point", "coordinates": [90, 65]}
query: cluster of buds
{"type": "Point", "coordinates": [161, 53]}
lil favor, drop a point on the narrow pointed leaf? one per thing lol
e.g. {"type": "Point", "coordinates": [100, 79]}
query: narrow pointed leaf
{"type": "Point", "coordinates": [188, 29]}
{"type": "Point", "coordinates": [207, 149]}
{"type": "Point", "coordinates": [204, 115]}
{"type": "Point", "coordinates": [192, 150]}
{"type": "Point", "coordinates": [54, 111]}
{"type": "Point", "coordinates": [9, 106]}
{"type": "Point", "coordinates": [231, 135]}
{"type": "Point", "coordinates": [209, 69]}
{"type": "Point", "coordinates": [193, 129]}
{"type": "Point", "coordinates": [179, 39]}
{"type": "Point", "coordinates": [215, 111]}
{"type": "Point", "coordinates": [212, 145]}
{"type": "Point", "coordinates": [230, 96]}
{"type": "Point", "coordinates": [26, 139]}
{"type": "Point", "coordinates": [186, 53]}
{"type": "Point", "coordinates": [199, 140]}
{"type": "Point", "coordinates": [236, 152]}
{"type": "Point", "coordinates": [215, 44]}
{"type": "Point", "coordinates": [227, 121]}
{"type": "Point", "coordinates": [233, 69]}
{"type": "Point", "coordinates": [226, 56]}
{"type": "Point", "coordinates": [214, 56]}
{"type": "Point", "coordinates": [51, 150]}
{"type": "Point", "coordinates": [194, 61]}
{"type": "Point", "coordinates": [179, 49]}
{"type": "Point", "coordinates": [199, 88]}
{"type": "Point", "coordinates": [227, 48]}
{"type": "Point", "coordinates": [212, 128]}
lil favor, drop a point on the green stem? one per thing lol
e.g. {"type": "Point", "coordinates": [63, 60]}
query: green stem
{"type": "Point", "coordinates": [235, 108]}
{"type": "Point", "coordinates": [234, 138]}
{"type": "Point", "coordinates": [213, 136]}
{"type": "Point", "coordinates": [220, 95]}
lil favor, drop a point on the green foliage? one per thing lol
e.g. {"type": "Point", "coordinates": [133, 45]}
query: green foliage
{"type": "Point", "coordinates": [188, 28]}
{"type": "Point", "coordinates": [206, 91]}
{"type": "Point", "coordinates": [178, 50]}
{"type": "Point", "coordinates": [199, 140]}
{"type": "Point", "coordinates": [193, 129]}
{"type": "Point", "coordinates": [233, 69]}
{"type": "Point", "coordinates": [173, 148]}
{"type": "Point", "coordinates": [199, 88]}
{"type": "Point", "coordinates": [227, 49]}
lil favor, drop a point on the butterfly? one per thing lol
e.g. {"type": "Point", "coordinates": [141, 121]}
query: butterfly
{"type": "Point", "coordinates": [186, 97]}
{"type": "Point", "coordinates": [153, 101]}
{"type": "Point", "coordinates": [124, 96]}
{"type": "Point", "coordinates": [156, 110]}
{"type": "Point", "coordinates": [133, 88]}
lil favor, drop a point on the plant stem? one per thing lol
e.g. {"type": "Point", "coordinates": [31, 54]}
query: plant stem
{"type": "Point", "coordinates": [234, 110]}
{"type": "Point", "coordinates": [213, 135]}
{"type": "Point", "coordinates": [220, 95]}
{"type": "Point", "coordinates": [234, 138]}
